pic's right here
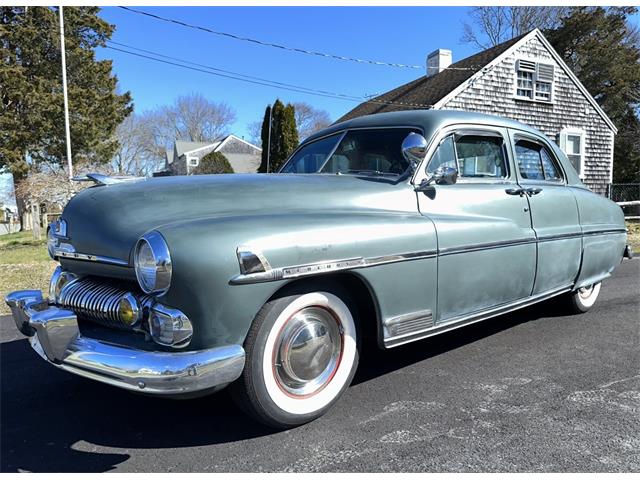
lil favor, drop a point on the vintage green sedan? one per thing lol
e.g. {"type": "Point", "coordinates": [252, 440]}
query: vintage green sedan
{"type": "Point", "coordinates": [396, 226]}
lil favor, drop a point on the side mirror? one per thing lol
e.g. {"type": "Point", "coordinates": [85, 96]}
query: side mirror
{"type": "Point", "coordinates": [442, 176]}
{"type": "Point", "coordinates": [414, 149]}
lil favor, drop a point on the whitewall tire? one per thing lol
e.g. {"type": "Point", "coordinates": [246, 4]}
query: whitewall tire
{"type": "Point", "coordinates": [301, 355]}
{"type": "Point", "coordinates": [581, 300]}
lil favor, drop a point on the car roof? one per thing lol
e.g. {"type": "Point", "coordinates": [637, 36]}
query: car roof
{"type": "Point", "coordinates": [428, 120]}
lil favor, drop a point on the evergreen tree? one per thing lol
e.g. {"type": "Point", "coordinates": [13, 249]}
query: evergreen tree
{"type": "Point", "coordinates": [284, 136]}
{"type": "Point", "coordinates": [32, 120]}
{"type": "Point", "coordinates": [603, 50]}
{"type": "Point", "coordinates": [264, 135]}
{"type": "Point", "coordinates": [213, 162]}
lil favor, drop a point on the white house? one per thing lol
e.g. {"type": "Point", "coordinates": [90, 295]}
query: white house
{"type": "Point", "coordinates": [524, 79]}
{"type": "Point", "coordinates": [243, 156]}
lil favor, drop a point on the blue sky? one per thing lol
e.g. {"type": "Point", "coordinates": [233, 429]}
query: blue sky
{"type": "Point", "coordinates": [395, 35]}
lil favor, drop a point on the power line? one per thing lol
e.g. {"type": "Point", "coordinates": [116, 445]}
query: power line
{"type": "Point", "coordinates": [269, 44]}
{"type": "Point", "coordinates": [249, 78]}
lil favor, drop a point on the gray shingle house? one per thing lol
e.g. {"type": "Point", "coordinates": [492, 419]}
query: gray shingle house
{"type": "Point", "coordinates": [243, 156]}
{"type": "Point", "coordinates": [524, 79]}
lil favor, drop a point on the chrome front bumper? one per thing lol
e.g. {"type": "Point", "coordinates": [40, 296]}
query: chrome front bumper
{"type": "Point", "coordinates": [53, 333]}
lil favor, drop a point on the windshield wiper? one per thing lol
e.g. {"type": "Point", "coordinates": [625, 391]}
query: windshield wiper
{"type": "Point", "coordinates": [372, 172]}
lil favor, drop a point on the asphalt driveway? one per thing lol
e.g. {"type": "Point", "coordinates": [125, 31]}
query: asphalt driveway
{"type": "Point", "coordinates": [530, 391]}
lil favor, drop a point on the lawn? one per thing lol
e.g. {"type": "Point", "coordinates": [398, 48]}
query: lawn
{"type": "Point", "coordinates": [24, 264]}
{"type": "Point", "coordinates": [634, 236]}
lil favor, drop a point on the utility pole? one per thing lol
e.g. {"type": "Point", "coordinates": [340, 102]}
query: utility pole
{"type": "Point", "coordinates": [269, 138]}
{"type": "Point", "coordinates": [66, 98]}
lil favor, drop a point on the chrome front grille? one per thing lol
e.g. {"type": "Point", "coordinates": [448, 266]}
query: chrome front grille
{"type": "Point", "coordinates": [97, 300]}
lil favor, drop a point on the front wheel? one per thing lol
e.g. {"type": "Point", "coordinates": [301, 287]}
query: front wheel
{"type": "Point", "coordinates": [581, 300]}
{"type": "Point", "coordinates": [301, 355]}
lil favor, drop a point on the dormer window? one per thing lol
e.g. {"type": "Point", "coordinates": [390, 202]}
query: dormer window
{"type": "Point", "coordinates": [534, 80]}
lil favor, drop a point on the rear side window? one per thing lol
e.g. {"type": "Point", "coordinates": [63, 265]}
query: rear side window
{"type": "Point", "coordinates": [535, 162]}
{"type": "Point", "coordinates": [474, 156]}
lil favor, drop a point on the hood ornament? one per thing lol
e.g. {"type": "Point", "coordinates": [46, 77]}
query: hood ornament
{"type": "Point", "coordinates": [100, 179]}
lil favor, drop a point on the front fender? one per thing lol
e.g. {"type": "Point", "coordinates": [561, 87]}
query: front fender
{"type": "Point", "coordinates": [204, 261]}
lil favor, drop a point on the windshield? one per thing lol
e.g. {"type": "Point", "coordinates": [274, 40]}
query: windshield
{"type": "Point", "coordinates": [373, 151]}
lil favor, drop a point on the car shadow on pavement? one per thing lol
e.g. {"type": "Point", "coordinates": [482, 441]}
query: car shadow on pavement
{"type": "Point", "coordinates": [53, 421]}
{"type": "Point", "coordinates": [373, 365]}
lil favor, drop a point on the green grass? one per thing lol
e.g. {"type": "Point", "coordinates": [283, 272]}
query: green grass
{"type": "Point", "coordinates": [633, 237]}
{"type": "Point", "coordinates": [24, 264]}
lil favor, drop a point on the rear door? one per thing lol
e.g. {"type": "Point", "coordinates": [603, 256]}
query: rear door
{"type": "Point", "coordinates": [554, 212]}
{"type": "Point", "coordinates": [486, 246]}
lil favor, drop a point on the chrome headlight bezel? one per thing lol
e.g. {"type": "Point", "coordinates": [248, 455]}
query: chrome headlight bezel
{"type": "Point", "coordinates": [59, 280]}
{"type": "Point", "coordinates": [57, 229]}
{"type": "Point", "coordinates": [161, 269]}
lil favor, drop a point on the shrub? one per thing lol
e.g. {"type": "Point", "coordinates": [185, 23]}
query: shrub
{"type": "Point", "coordinates": [214, 162]}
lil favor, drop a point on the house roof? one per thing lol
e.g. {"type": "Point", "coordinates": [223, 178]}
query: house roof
{"type": "Point", "coordinates": [433, 91]}
{"type": "Point", "coordinates": [425, 92]}
{"type": "Point", "coordinates": [183, 147]}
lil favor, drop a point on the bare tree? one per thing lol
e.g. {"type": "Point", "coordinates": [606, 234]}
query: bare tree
{"type": "Point", "coordinates": [490, 26]}
{"type": "Point", "coordinates": [145, 138]}
{"type": "Point", "coordinates": [255, 132]}
{"type": "Point", "coordinates": [309, 119]}
{"type": "Point", "coordinates": [142, 142]}
{"type": "Point", "coordinates": [197, 119]}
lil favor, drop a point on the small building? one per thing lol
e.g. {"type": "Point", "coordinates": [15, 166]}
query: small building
{"type": "Point", "coordinates": [524, 79]}
{"type": "Point", "coordinates": [243, 156]}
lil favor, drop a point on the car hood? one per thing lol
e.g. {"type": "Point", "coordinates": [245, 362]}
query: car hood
{"type": "Point", "coordinates": [108, 220]}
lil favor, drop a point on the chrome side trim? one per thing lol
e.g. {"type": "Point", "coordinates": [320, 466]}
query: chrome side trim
{"type": "Point", "coordinates": [55, 336]}
{"type": "Point", "coordinates": [485, 246]}
{"type": "Point", "coordinates": [610, 231]}
{"type": "Point", "coordinates": [560, 236]}
{"type": "Point", "coordinates": [464, 320]}
{"type": "Point", "coordinates": [73, 255]}
{"type": "Point", "coordinates": [283, 273]}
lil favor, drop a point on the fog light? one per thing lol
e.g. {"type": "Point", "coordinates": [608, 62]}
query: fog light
{"type": "Point", "coordinates": [129, 310]}
{"type": "Point", "coordinates": [169, 327]}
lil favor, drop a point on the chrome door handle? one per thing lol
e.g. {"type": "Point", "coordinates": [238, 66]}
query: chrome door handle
{"type": "Point", "coordinates": [515, 191]}
{"type": "Point", "coordinates": [533, 191]}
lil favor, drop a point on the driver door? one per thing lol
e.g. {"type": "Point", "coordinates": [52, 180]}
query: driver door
{"type": "Point", "coordinates": [486, 245]}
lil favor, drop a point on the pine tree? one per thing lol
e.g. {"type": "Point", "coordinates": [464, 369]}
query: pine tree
{"type": "Point", "coordinates": [603, 50]}
{"type": "Point", "coordinates": [284, 136]}
{"type": "Point", "coordinates": [32, 119]}
{"type": "Point", "coordinates": [264, 135]}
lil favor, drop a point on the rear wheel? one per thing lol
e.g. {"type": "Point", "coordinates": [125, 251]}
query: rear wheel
{"type": "Point", "coordinates": [582, 300]}
{"type": "Point", "coordinates": [302, 353]}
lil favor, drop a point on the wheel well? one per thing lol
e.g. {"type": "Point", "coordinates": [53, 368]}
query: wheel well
{"type": "Point", "coordinates": [367, 316]}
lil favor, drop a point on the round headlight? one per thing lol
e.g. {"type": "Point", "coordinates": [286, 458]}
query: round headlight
{"type": "Point", "coordinates": [152, 263]}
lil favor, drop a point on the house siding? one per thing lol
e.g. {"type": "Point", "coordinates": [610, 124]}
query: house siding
{"type": "Point", "coordinates": [493, 93]}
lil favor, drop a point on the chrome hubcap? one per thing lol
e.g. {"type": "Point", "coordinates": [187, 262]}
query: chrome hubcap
{"type": "Point", "coordinates": [585, 292]}
{"type": "Point", "coordinates": [308, 351]}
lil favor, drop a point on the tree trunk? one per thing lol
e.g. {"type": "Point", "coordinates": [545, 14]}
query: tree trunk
{"type": "Point", "coordinates": [21, 204]}
{"type": "Point", "coordinates": [35, 221]}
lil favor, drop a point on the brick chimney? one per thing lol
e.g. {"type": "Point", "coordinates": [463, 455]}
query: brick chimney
{"type": "Point", "coordinates": [437, 61]}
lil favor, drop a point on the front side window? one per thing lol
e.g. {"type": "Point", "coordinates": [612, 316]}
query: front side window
{"type": "Point", "coordinates": [373, 151]}
{"type": "Point", "coordinates": [535, 162]}
{"type": "Point", "coordinates": [472, 155]}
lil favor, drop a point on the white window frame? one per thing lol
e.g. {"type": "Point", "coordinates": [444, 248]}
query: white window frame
{"type": "Point", "coordinates": [190, 161]}
{"type": "Point", "coordinates": [576, 132]}
{"type": "Point", "coordinates": [535, 79]}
